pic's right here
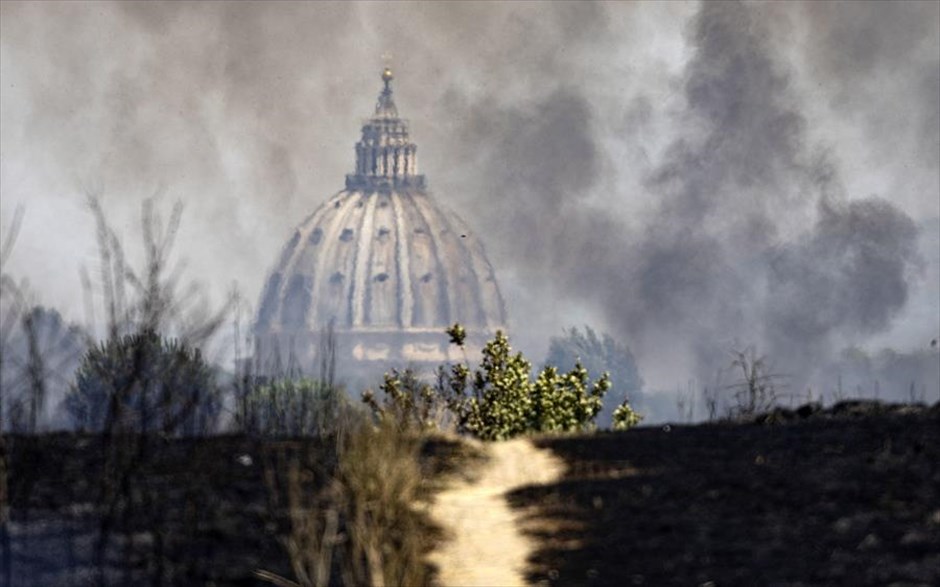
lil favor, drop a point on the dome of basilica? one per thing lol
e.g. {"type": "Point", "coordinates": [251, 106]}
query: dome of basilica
{"type": "Point", "coordinates": [381, 264]}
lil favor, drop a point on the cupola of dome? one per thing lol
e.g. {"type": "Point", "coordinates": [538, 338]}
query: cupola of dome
{"type": "Point", "coordinates": [385, 156]}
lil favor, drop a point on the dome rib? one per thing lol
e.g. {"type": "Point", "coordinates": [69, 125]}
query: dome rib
{"type": "Point", "coordinates": [445, 295]}
{"type": "Point", "coordinates": [481, 266]}
{"type": "Point", "coordinates": [329, 302]}
{"type": "Point", "coordinates": [293, 253]}
{"type": "Point", "coordinates": [361, 264]}
{"type": "Point", "coordinates": [405, 296]}
{"type": "Point", "coordinates": [470, 284]}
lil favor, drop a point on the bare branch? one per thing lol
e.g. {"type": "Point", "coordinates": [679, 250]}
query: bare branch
{"type": "Point", "coordinates": [12, 232]}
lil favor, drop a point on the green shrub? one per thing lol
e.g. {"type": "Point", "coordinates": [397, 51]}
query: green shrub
{"type": "Point", "coordinates": [502, 401]}
{"type": "Point", "coordinates": [496, 401]}
{"type": "Point", "coordinates": [499, 399]}
{"type": "Point", "coordinates": [499, 404]}
{"type": "Point", "coordinates": [599, 353]}
{"type": "Point", "coordinates": [625, 417]}
{"type": "Point", "coordinates": [408, 402]}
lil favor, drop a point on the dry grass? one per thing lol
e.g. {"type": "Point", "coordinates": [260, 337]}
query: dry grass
{"type": "Point", "coordinates": [379, 471]}
{"type": "Point", "coordinates": [352, 513]}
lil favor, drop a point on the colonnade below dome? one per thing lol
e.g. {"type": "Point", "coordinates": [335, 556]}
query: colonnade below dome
{"type": "Point", "coordinates": [359, 352]}
{"type": "Point", "coordinates": [385, 161]}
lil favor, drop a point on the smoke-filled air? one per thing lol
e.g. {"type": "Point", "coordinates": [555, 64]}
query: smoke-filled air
{"type": "Point", "coordinates": [691, 179]}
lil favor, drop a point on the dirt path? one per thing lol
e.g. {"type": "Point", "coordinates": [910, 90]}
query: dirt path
{"type": "Point", "coordinates": [486, 545]}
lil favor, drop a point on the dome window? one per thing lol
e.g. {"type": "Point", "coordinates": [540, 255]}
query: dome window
{"type": "Point", "coordinates": [419, 230]}
{"type": "Point", "coordinates": [347, 235]}
{"type": "Point", "coordinates": [427, 277]}
{"type": "Point", "coordinates": [296, 301]}
{"type": "Point", "coordinates": [336, 278]}
{"type": "Point", "coordinates": [294, 240]}
{"type": "Point", "coordinates": [315, 237]}
{"type": "Point", "coordinates": [383, 232]}
{"type": "Point", "coordinates": [381, 277]}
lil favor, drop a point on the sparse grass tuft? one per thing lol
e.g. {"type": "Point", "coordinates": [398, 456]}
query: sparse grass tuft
{"type": "Point", "coordinates": [352, 510]}
{"type": "Point", "coordinates": [380, 474]}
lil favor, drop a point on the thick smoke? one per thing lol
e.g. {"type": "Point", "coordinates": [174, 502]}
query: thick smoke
{"type": "Point", "coordinates": [885, 58]}
{"type": "Point", "coordinates": [733, 198]}
{"type": "Point", "coordinates": [691, 178]}
{"type": "Point", "coordinates": [848, 277]}
{"type": "Point", "coordinates": [751, 239]}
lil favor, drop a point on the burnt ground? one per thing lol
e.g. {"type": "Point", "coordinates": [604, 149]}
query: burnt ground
{"type": "Point", "coordinates": [846, 496]}
{"type": "Point", "coordinates": [849, 496]}
{"type": "Point", "coordinates": [179, 512]}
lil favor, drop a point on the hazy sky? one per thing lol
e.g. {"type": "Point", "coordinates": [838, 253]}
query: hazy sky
{"type": "Point", "coordinates": [687, 177]}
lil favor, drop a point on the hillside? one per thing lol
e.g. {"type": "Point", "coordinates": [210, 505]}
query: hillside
{"type": "Point", "coordinates": [848, 496]}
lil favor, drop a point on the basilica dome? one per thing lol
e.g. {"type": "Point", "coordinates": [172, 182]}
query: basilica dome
{"type": "Point", "coordinates": [381, 264]}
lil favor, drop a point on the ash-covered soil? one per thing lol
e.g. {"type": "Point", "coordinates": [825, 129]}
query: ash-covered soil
{"type": "Point", "coordinates": [178, 512]}
{"type": "Point", "coordinates": [844, 496]}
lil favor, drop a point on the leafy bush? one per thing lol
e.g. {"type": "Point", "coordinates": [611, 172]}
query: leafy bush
{"type": "Point", "coordinates": [408, 402]}
{"type": "Point", "coordinates": [598, 354]}
{"type": "Point", "coordinates": [504, 402]}
{"type": "Point", "coordinates": [498, 400]}
{"type": "Point", "coordinates": [625, 417]}
{"type": "Point", "coordinates": [144, 383]}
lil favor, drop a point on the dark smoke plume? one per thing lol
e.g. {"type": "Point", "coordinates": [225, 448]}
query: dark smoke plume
{"type": "Point", "coordinates": [750, 238]}
{"type": "Point", "coordinates": [724, 258]}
